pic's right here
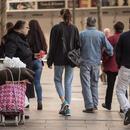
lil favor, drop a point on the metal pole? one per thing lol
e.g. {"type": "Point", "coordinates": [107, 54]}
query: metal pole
{"type": "Point", "coordinates": [3, 17]}
{"type": "Point", "coordinates": [74, 11]}
{"type": "Point", "coordinates": [99, 12]}
{"type": "Point", "coordinates": [66, 3]}
{"type": "Point", "coordinates": [0, 21]}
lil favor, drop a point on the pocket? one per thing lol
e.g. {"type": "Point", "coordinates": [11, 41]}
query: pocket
{"type": "Point", "coordinates": [95, 73]}
{"type": "Point", "coordinates": [37, 64]}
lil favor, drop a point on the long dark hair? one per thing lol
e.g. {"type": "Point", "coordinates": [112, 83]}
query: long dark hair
{"type": "Point", "coordinates": [66, 15]}
{"type": "Point", "coordinates": [36, 37]}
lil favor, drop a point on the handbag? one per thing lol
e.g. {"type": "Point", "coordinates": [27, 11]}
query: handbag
{"type": "Point", "coordinates": [74, 54]}
{"type": "Point", "coordinates": [12, 95]}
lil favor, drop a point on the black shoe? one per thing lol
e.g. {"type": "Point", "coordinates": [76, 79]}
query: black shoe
{"type": "Point", "coordinates": [127, 118]}
{"type": "Point", "coordinates": [104, 105]}
{"type": "Point", "coordinates": [121, 111]}
{"type": "Point", "coordinates": [26, 116]}
{"type": "Point", "coordinates": [39, 106]}
{"type": "Point", "coordinates": [27, 106]}
{"type": "Point", "coordinates": [95, 108]}
{"type": "Point", "coordinates": [90, 110]}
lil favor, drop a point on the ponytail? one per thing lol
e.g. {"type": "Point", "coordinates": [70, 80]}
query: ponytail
{"type": "Point", "coordinates": [66, 15]}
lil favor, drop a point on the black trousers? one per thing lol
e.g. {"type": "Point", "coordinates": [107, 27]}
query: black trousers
{"type": "Point", "coordinates": [111, 78]}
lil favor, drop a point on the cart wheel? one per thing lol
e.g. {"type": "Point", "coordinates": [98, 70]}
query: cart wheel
{"type": "Point", "coordinates": [3, 120]}
{"type": "Point", "coordinates": [22, 119]}
{"type": "Point", "coordinates": [0, 118]}
{"type": "Point", "coordinates": [16, 120]}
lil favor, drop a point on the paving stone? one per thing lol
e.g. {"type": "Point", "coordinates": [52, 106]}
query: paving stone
{"type": "Point", "coordinates": [75, 128]}
{"type": "Point", "coordinates": [49, 119]}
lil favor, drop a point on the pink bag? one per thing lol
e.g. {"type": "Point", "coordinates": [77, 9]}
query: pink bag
{"type": "Point", "coordinates": [12, 96]}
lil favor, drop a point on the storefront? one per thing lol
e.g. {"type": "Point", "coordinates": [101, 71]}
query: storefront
{"type": "Point", "coordinates": [47, 12]}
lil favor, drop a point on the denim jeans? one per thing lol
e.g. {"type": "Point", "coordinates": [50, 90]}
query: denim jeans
{"type": "Point", "coordinates": [37, 68]}
{"type": "Point", "coordinates": [89, 75]}
{"type": "Point", "coordinates": [122, 85]}
{"type": "Point", "coordinates": [68, 77]}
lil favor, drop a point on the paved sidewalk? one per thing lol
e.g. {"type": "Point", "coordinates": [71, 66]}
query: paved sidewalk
{"type": "Point", "coordinates": [49, 119]}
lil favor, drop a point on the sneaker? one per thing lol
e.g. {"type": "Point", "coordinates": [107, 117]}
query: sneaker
{"type": "Point", "coordinates": [62, 107]}
{"type": "Point", "coordinates": [95, 108]}
{"type": "Point", "coordinates": [104, 106]}
{"type": "Point", "coordinates": [127, 117]}
{"type": "Point", "coordinates": [67, 111]}
{"type": "Point", "coordinates": [90, 110]}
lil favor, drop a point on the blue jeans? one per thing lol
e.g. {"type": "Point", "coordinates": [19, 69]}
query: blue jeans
{"type": "Point", "coordinates": [37, 68]}
{"type": "Point", "coordinates": [58, 72]}
{"type": "Point", "coordinates": [89, 75]}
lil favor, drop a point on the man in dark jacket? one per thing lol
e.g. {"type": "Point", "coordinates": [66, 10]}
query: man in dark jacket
{"type": "Point", "coordinates": [64, 37]}
{"type": "Point", "coordinates": [123, 61]}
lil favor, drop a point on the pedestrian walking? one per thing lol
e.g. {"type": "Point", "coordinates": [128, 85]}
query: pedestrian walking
{"type": "Point", "coordinates": [92, 42]}
{"type": "Point", "coordinates": [110, 65]}
{"type": "Point", "coordinates": [123, 62]}
{"type": "Point", "coordinates": [38, 46]}
{"type": "Point", "coordinates": [64, 37]}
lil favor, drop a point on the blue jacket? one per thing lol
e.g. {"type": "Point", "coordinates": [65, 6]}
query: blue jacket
{"type": "Point", "coordinates": [92, 43]}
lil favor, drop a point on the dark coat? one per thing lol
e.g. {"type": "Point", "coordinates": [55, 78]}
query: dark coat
{"type": "Point", "coordinates": [17, 46]}
{"type": "Point", "coordinates": [57, 55]}
{"type": "Point", "coordinates": [123, 50]}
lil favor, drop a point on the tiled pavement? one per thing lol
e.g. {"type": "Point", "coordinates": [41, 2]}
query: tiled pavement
{"type": "Point", "coordinates": [49, 119]}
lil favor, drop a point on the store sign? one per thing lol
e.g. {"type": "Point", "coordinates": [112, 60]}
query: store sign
{"type": "Point", "coordinates": [20, 0]}
{"type": "Point", "coordinates": [51, 4]}
{"type": "Point", "coordinates": [22, 5]}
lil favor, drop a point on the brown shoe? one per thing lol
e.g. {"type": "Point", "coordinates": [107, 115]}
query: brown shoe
{"type": "Point", "coordinates": [90, 110]}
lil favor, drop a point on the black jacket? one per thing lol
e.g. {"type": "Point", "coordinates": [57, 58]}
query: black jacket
{"type": "Point", "coordinates": [57, 53]}
{"type": "Point", "coordinates": [123, 50]}
{"type": "Point", "coordinates": [16, 46]}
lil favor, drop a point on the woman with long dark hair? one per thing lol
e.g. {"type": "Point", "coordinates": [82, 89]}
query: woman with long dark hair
{"type": "Point", "coordinates": [63, 34]}
{"type": "Point", "coordinates": [38, 46]}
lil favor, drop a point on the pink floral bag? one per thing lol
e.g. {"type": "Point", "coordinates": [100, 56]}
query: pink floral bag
{"type": "Point", "coordinates": [12, 96]}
